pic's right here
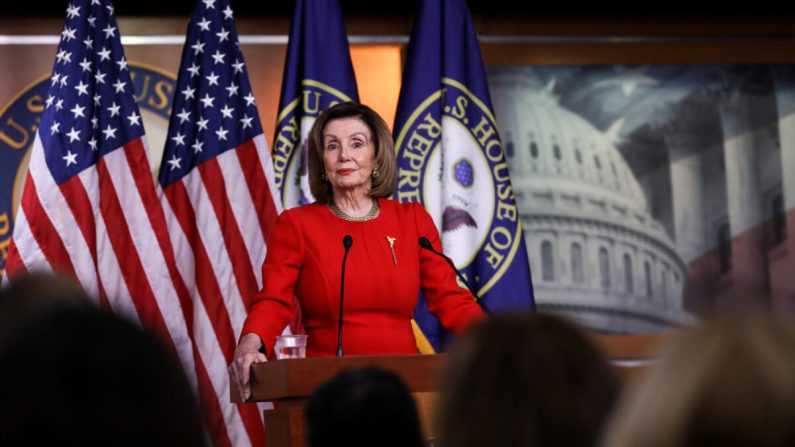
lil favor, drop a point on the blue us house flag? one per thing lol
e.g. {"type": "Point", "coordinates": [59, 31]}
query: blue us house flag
{"type": "Point", "coordinates": [318, 73]}
{"type": "Point", "coordinates": [450, 159]}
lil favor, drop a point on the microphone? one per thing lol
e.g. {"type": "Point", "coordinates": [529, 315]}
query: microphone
{"type": "Point", "coordinates": [347, 241]}
{"type": "Point", "coordinates": [426, 244]}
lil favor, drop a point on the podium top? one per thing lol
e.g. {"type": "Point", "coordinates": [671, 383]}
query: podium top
{"type": "Point", "coordinates": [297, 378]}
{"type": "Point", "coordinates": [277, 380]}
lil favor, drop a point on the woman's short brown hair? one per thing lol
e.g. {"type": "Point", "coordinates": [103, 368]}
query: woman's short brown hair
{"type": "Point", "coordinates": [524, 380]}
{"type": "Point", "coordinates": [384, 184]}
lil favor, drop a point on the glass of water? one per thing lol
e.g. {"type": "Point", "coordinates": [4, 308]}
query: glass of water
{"type": "Point", "coordinates": [290, 346]}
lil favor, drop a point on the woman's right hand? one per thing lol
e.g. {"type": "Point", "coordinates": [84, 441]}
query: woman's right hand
{"type": "Point", "coordinates": [246, 354]}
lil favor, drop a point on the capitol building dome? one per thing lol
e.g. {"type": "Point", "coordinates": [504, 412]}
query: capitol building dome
{"type": "Point", "coordinates": [596, 253]}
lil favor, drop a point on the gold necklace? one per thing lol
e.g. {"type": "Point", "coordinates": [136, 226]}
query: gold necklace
{"type": "Point", "coordinates": [341, 214]}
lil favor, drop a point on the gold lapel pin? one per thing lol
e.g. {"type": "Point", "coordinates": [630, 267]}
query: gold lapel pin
{"type": "Point", "coordinates": [391, 241]}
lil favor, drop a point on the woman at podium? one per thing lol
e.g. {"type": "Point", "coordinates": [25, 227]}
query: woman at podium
{"type": "Point", "coordinates": [352, 174]}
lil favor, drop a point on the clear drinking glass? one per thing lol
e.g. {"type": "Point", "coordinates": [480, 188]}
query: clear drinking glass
{"type": "Point", "coordinates": [290, 346]}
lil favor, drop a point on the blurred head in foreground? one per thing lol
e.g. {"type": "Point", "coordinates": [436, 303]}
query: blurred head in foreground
{"type": "Point", "coordinates": [525, 380]}
{"type": "Point", "coordinates": [729, 382]}
{"type": "Point", "coordinates": [363, 407]}
{"type": "Point", "coordinates": [76, 375]}
{"type": "Point", "coordinates": [36, 292]}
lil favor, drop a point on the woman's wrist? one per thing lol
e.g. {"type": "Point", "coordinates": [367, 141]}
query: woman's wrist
{"type": "Point", "coordinates": [252, 342]}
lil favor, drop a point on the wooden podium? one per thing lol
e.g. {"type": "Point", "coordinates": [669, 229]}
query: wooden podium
{"type": "Point", "coordinates": [289, 383]}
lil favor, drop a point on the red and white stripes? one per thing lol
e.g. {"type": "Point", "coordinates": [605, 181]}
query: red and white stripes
{"type": "Point", "coordinates": [182, 262]}
{"type": "Point", "coordinates": [219, 218]}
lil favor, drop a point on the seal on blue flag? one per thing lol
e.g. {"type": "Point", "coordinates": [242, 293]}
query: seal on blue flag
{"type": "Point", "coordinates": [465, 186]}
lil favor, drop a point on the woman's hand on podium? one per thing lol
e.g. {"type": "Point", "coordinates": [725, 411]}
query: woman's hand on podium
{"type": "Point", "coordinates": [246, 354]}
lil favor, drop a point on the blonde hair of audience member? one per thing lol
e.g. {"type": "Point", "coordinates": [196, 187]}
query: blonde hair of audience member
{"type": "Point", "coordinates": [525, 380]}
{"type": "Point", "coordinates": [729, 382]}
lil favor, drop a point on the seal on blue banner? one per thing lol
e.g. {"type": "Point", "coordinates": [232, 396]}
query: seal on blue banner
{"type": "Point", "coordinates": [466, 187]}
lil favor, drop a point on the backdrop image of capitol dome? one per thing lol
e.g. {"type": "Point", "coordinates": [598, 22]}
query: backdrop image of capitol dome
{"type": "Point", "coordinates": [651, 195]}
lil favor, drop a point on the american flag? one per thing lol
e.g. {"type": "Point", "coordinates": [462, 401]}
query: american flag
{"type": "Point", "coordinates": [89, 206]}
{"type": "Point", "coordinates": [220, 203]}
{"type": "Point", "coordinates": [90, 209]}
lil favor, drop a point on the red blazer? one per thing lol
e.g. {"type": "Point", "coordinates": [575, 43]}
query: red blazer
{"type": "Point", "coordinates": [304, 260]}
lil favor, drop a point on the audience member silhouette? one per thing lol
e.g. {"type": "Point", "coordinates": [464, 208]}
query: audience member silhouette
{"type": "Point", "coordinates": [525, 380]}
{"type": "Point", "coordinates": [76, 375]}
{"type": "Point", "coordinates": [32, 294]}
{"type": "Point", "coordinates": [729, 382]}
{"type": "Point", "coordinates": [363, 407]}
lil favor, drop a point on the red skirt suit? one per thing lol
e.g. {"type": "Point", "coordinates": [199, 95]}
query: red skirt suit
{"type": "Point", "coordinates": [304, 260]}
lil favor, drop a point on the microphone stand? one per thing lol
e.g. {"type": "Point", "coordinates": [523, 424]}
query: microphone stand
{"type": "Point", "coordinates": [426, 244]}
{"type": "Point", "coordinates": [347, 241]}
